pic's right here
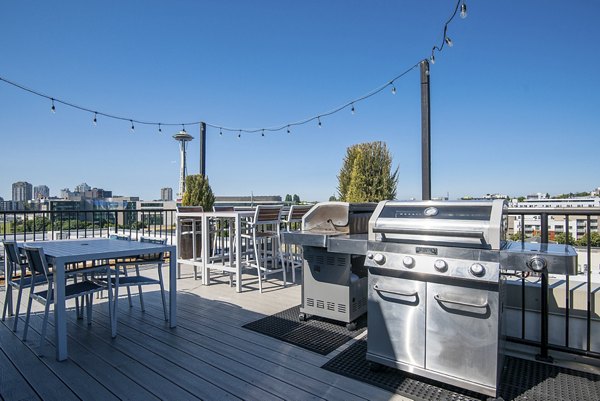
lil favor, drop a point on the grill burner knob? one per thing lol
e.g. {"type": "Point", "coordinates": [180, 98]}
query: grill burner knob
{"type": "Point", "coordinates": [477, 269]}
{"type": "Point", "coordinates": [408, 261]}
{"type": "Point", "coordinates": [440, 265]}
{"type": "Point", "coordinates": [379, 258]}
{"type": "Point", "coordinates": [537, 264]}
{"type": "Point", "coordinates": [370, 255]}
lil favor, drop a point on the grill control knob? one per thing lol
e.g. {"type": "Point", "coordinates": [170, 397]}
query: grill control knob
{"type": "Point", "coordinates": [440, 265]}
{"type": "Point", "coordinates": [379, 258]}
{"type": "Point", "coordinates": [477, 270]}
{"type": "Point", "coordinates": [408, 261]}
{"type": "Point", "coordinates": [370, 255]}
{"type": "Point", "coordinates": [537, 264]}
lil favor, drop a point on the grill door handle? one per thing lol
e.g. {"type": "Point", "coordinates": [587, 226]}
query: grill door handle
{"type": "Point", "coordinates": [396, 292]}
{"type": "Point", "coordinates": [451, 301]}
{"type": "Point", "coordinates": [425, 231]}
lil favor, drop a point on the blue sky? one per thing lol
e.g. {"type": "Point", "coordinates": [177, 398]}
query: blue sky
{"type": "Point", "coordinates": [514, 102]}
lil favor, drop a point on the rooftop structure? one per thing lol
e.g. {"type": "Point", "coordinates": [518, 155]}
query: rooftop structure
{"type": "Point", "coordinates": [22, 191]}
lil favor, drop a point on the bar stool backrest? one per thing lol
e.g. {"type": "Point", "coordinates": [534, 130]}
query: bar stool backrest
{"type": "Point", "coordinates": [190, 209]}
{"type": "Point", "coordinates": [267, 214]}
{"type": "Point", "coordinates": [12, 258]}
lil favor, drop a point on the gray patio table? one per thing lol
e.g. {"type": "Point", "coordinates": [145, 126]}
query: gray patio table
{"type": "Point", "coordinates": [62, 252]}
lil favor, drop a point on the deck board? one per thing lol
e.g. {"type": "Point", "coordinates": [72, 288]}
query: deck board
{"type": "Point", "coordinates": [208, 356]}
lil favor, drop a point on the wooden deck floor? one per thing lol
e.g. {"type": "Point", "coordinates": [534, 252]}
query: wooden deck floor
{"type": "Point", "coordinates": [208, 356]}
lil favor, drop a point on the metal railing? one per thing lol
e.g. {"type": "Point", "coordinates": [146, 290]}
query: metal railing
{"type": "Point", "coordinates": [575, 339]}
{"type": "Point", "coordinates": [28, 225]}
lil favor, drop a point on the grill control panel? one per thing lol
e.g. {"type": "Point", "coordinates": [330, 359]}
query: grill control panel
{"type": "Point", "coordinates": [440, 265]}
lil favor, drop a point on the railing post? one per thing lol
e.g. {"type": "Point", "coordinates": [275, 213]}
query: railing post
{"type": "Point", "coordinates": [543, 355]}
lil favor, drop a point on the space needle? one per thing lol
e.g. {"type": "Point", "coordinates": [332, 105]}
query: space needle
{"type": "Point", "coordinates": [183, 138]}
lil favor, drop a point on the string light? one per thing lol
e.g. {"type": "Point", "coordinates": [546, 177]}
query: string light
{"type": "Point", "coordinates": [183, 128]}
{"type": "Point", "coordinates": [263, 132]}
{"type": "Point", "coordinates": [460, 5]}
{"type": "Point", "coordinates": [95, 119]}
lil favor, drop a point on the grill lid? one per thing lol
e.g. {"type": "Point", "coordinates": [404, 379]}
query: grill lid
{"type": "Point", "coordinates": [475, 224]}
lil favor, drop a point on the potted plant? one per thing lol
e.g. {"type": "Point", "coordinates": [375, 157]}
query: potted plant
{"type": "Point", "coordinates": [198, 197]}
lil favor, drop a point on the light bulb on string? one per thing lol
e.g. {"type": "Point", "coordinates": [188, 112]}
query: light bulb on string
{"type": "Point", "coordinates": [53, 109]}
{"type": "Point", "coordinates": [393, 88]}
{"type": "Point", "coordinates": [159, 128]}
{"type": "Point", "coordinates": [220, 132]}
{"type": "Point", "coordinates": [352, 110]}
{"type": "Point", "coordinates": [263, 132]}
{"type": "Point", "coordinates": [183, 128]}
{"type": "Point", "coordinates": [132, 126]}
{"type": "Point", "coordinates": [319, 119]}
{"type": "Point", "coordinates": [449, 41]}
{"type": "Point", "coordinates": [95, 119]}
{"type": "Point", "coordinates": [288, 130]}
{"type": "Point", "coordinates": [240, 134]}
{"type": "Point", "coordinates": [432, 59]}
{"type": "Point", "coordinates": [463, 11]}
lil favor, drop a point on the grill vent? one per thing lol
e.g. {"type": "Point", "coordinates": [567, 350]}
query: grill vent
{"type": "Point", "coordinates": [320, 304]}
{"type": "Point", "coordinates": [341, 262]}
{"type": "Point", "coordinates": [310, 302]}
{"type": "Point", "coordinates": [341, 308]}
{"type": "Point", "coordinates": [331, 306]}
{"type": "Point", "coordinates": [320, 259]}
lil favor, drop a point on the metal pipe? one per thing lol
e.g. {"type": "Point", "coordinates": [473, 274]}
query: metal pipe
{"type": "Point", "coordinates": [543, 355]}
{"type": "Point", "coordinates": [425, 132]}
{"type": "Point", "coordinates": [203, 149]}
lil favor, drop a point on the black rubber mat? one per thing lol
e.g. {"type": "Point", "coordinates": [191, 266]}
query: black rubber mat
{"type": "Point", "coordinates": [522, 380]}
{"type": "Point", "coordinates": [317, 334]}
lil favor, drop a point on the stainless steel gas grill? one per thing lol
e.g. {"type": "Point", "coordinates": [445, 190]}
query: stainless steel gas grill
{"type": "Point", "coordinates": [334, 277]}
{"type": "Point", "coordinates": [435, 288]}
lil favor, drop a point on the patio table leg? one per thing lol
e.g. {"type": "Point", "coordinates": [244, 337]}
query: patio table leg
{"type": "Point", "coordinates": [60, 312]}
{"type": "Point", "coordinates": [173, 288]}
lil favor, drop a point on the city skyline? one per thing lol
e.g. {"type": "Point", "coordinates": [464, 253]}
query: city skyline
{"type": "Point", "coordinates": [508, 113]}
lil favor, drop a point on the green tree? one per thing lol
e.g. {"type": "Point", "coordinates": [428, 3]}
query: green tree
{"type": "Point", "coordinates": [296, 199]}
{"type": "Point", "coordinates": [521, 199]}
{"type": "Point", "coordinates": [198, 192]}
{"type": "Point", "coordinates": [332, 198]}
{"type": "Point", "coordinates": [366, 174]}
{"type": "Point", "coordinates": [561, 238]}
{"type": "Point", "coordinates": [516, 236]}
{"type": "Point", "coordinates": [594, 240]}
{"type": "Point", "coordinates": [288, 198]}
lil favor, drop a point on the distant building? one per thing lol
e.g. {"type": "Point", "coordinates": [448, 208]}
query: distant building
{"type": "Point", "coordinates": [22, 191]}
{"type": "Point", "coordinates": [82, 188]}
{"type": "Point", "coordinates": [65, 193]}
{"type": "Point", "coordinates": [248, 200]}
{"type": "Point", "coordinates": [41, 192]}
{"type": "Point", "coordinates": [97, 193]}
{"type": "Point", "coordinates": [11, 205]}
{"type": "Point", "coordinates": [166, 194]}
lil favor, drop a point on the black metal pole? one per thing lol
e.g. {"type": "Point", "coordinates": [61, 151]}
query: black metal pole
{"type": "Point", "coordinates": [425, 132]}
{"type": "Point", "coordinates": [203, 149]}
{"type": "Point", "coordinates": [543, 355]}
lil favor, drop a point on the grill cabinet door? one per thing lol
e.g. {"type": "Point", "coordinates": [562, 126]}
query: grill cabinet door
{"type": "Point", "coordinates": [396, 319]}
{"type": "Point", "coordinates": [462, 332]}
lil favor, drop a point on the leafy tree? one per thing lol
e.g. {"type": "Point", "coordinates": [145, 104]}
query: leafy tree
{"type": "Point", "coordinates": [561, 238]}
{"type": "Point", "coordinates": [521, 199]}
{"type": "Point", "coordinates": [516, 236]}
{"type": "Point", "coordinates": [366, 174]}
{"type": "Point", "coordinates": [198, 192]}
{"type": "Point", "coordinates": [288, 198]}
{"type": "Point", "coordinates": [594, 240]}
{"type": "Point", "coordinates": [332, 198]}
{"type": "Point", "coordinates": [296, 199]}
